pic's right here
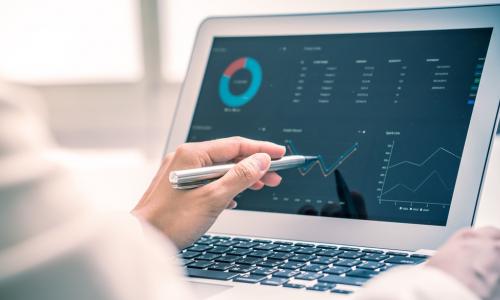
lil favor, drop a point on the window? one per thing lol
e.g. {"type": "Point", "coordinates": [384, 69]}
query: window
{"type": "Point", "coordinates": [70, 41]}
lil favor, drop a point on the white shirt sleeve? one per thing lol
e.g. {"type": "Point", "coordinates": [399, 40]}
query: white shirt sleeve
{"type": "Point", "coordinates": [108, 257]}
{"type": "Point", "coordinates": [414, 283]}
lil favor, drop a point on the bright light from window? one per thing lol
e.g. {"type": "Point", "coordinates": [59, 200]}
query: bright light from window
{"type": "Point", "coordinates": [70, 41]}
{"type": "Point", "coordinates": [181, 19]}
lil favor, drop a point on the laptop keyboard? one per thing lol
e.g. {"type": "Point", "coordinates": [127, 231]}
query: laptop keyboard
{"type": "Point", "coordinates": [317, 267]}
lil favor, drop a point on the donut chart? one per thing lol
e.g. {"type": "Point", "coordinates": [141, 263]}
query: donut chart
{"type": "Point", "coordinates": [232, 100]}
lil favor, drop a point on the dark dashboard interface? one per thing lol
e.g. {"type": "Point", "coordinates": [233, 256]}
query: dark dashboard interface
{"type": "Point", "coordinates": [388, 114]}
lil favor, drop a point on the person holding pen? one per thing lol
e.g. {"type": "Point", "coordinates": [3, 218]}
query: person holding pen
{"type": "Point", "coordinates": [53, 247]}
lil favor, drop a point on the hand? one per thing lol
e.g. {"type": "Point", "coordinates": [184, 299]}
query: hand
{"type": "Point", "coordinates": [185, 215]}
{"type": "Point", "coordinates": [472, 257]}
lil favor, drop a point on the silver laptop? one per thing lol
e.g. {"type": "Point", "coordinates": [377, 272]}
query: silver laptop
{"type": "Point", "coordinates": [400, 105]}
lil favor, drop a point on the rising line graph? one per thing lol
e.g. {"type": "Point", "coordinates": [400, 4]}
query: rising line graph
{"type": "Point", "coordinates": [326, 169]}
{"type": "Point", "coordinates": [413, 189]}
{"type": "Point", "coordinates": [425, 160]}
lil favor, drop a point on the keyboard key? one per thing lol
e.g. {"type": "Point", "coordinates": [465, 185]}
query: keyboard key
{"type": "Point", "coordinates": [241, 268]}
{"type": "Point", "coordinates": [375, 257]}
{"type": "Point", "coordinates": [304, 245]}
{"type": "Point", "coordinates": [245, 245]}
{"type": "Point", "coordinates": [351, 255]}
{"type": "Point", "coordinates": [208, 256]}
{"type": "Point", "coordinates": [225, 243]}
{"type": "Point", "coordinates": [219, 250]}
{"type": "Point", "coordinates": [286, 273]}
{"type": "Point", "coordinates": [210, 274]}
{"type": "Point", "coordinates": [264, 271]}
{"type": "Point", "coordinates": [260, 253]}
{"type": "Point", "coordinates": [386, 267]}
{"type": "Point", "coordinates": [307, 250]}
{"type": "Point", "coordinates": [372, 251]}
{"type": "Point", "coordinates": [329, 252]}
{"type": "Point", "coordinates": [404, 260]}
{"type": "Point", "coordinates": [274, 281]}
{"type": "Point", "coordinates": [187, 261]}
{"type": "Point", "coordinates": [319, 288]}
{"type": "Point", "coordinates": [270, 263]}
{"type": "Point", "coordinates": [349, 248]}
{"type": "Point", "coordinates": [362, 273]}
{"type": "Point", "coordinates": [249, 278]}
{"type": "Point", "coordinates": [283, 243]}
{"type": "Point", "coordinates": [343, 280]}
{"type": "Point", "coordinates": [241, 239]}
{"type": "Point", "coordinates": [326, 247]}
{"type": "Point", "coordinates": [219, 237]}
{"type": "Point", "coordinates": [201, 264]}
{"type": "Point", "coordinates": [199, 248]}
{"type": "Point", "coordinates": [370, 265]}
{"type": "Point", "coordinates": [346, 263]}
{"type": "Point", "coordinates": [265, 247]}
{"type": "Point", "coordinates": [395, 253]}
{"type": "Point", "coordinates": [314, 268]}
{"type": "Point", "coordinates": [280, 255]}
{"type": "Point", "coordinates": [263, 241]}
{"type": "Point", "coordinates": [227, 258]}
{"type": "Point", "coordinates": [190, 254]}
{"type": "Point", "coordinates": [285, 248]}
{"type": "Point", "coordinates": [339, 291]}
{"type": "Point", "coordinates": [220, 266]}
{"type": "Point", "coordinates": [249, 260]}
{"type": "Point", "coordinates": [205, 242]}
{"type": "Point", "coordinates": [336, 270]}
{"type": "Point", "coordinates": [419, 256]}
{"type": "Point", "coordinates": [323, 260]}
{"type": "Point", "coordinates": [302, 257]}
{"type": "Point", "coordinates": [308, 276]}
{"type": "Point", "coordinates": [294, 285]}
{"type": "Point", "coordinates": [239, 251]}
{"type": "Point", "coordinates": [292, 265]}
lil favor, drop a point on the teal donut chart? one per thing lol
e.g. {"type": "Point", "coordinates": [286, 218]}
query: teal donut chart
{"type": "Point", "coordinates": [227, 97]}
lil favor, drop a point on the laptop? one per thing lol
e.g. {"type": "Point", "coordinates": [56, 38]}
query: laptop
{"type": "Point", "coordinates": [401, 107]}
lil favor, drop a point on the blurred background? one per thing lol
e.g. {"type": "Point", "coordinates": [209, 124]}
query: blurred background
{"type": "Point", "coordinates": [109, 73]}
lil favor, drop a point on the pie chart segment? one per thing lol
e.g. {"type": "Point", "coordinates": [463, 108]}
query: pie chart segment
{"type": "Point", "coordinates": [252, 66]}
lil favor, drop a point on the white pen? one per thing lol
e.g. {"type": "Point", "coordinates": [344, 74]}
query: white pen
{"type": "Point", "coordinates": [192, 178]}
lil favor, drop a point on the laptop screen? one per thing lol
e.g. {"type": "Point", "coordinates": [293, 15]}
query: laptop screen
{"type": "Point", "coordinates": [387, 113]}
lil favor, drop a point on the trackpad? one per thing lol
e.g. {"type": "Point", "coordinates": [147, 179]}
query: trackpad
{"type": "Point", "coordinates": [205, 290]}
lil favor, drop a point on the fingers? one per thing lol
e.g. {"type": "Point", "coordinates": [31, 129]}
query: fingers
{"type": "Point", "coordinates": [271, 179]}
{"type": "Point", "coordinates": [232, 204]}
{"type": "Point", "coordinates": [223, 150]}
{"type": "Point", "coordinates": [245, 174]}
{"type": "Point", "coordinates": [491, 232]}
{"type": "Point", "coordinates": [257, 186]}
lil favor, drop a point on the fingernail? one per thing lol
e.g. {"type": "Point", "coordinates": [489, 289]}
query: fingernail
{"type": "Point", "coordinates": [262, 161]}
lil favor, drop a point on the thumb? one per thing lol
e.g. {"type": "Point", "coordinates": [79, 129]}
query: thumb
{"type": "Point", "coordinates": [243, 175]}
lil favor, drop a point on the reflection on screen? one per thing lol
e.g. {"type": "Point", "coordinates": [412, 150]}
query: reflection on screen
{"type": "Point", "coordinates": [388, 114]}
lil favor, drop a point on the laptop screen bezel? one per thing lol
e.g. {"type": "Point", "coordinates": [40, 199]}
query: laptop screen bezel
{"type": "Point", "coordinates": [348, 231]}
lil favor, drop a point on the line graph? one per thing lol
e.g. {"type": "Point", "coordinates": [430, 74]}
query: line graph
{"type": "Point", "coordinates": [426, 160]}
{"type": "Point", "coordinates": [432, 189]}
{"type": "Point", "coordinates": [417, 188]}
{"type": "Point", "coordinates": [326, 170]}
